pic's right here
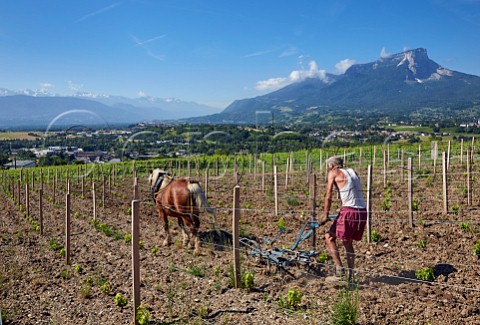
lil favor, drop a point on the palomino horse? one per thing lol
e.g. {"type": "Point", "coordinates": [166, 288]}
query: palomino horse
{"type": "Point", "coordinates": [181, 199]}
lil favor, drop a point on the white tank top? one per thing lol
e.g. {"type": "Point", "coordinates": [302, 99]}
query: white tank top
{"type": "Point", "coordinates": [351, 194]}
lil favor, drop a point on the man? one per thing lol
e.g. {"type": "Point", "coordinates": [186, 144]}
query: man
{"type": "Point", "coordinates": [351, 220]}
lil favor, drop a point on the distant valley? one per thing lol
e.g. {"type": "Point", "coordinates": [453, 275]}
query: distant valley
{"type": "Point", "coordinates": [27, 109]}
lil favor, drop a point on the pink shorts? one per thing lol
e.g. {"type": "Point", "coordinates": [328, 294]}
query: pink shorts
{"type": "Point", "coordinates": [349, 224]}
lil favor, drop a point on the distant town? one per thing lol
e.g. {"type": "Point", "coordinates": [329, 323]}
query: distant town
{"type": "Point", "coordinates": [144, 141]}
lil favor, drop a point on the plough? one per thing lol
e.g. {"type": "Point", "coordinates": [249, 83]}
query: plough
{"type": "Point", "coordinates": [284, 257]}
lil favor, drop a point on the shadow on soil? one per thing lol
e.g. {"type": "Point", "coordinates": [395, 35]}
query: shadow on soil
{"type": "Point", "coordinates": [409, 276]}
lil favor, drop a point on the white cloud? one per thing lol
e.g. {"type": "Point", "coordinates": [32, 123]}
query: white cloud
{"type": "Point", "coordinates": [140, 43]}
{"type": "Point", "coordinates": [272, 83]}
{"type": "Point", "coordinates": [47, 85]}
{"type": "Point", "coordinates": [259, 53]}
{"type": "Point", "coordinates": [145, 46]}
{"type": "Point", "coordinates": [141, 93]}
{"type": "Point", "coordinates": [73, 86]}
{"type": "Point", "coordinates": [289, 52]}
{"type": "Point", "coordinates": [343, 65]}
{"type": "Point", "coordinates": [92, 14]}
{"type": "Point", "coordinates": [295, 76]}
{"type": "Point", "coordinates": [384, 54]}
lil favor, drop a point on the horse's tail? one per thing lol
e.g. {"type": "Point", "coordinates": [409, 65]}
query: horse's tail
{"type": "Point", "coordinates": [199, 198]}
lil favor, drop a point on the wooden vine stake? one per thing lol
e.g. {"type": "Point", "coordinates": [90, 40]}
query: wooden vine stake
{"type": "Point", "coordinates": [419, 156]}
{"type": "Point", "coordinates": [206, 182]}
{"type": "Point", "coordinates": [461, 152]}
{"type": "Point", "coordinates": [388, 155]}
{"type": "Point", "coordinates": [135, 189]}
{"type": "Point", "coordinates": [402, 165]}
{"type": "Point", "coordinates": [235, 173]}
{"type": "Point", "coordinates": [369, 203]}
{"type": "Point", "coordinates": [445, 187]}
{"type": "Point", "coordinates": [19, 186]}
{"type": "Point", "coordinates": [263, 176]}
{"type": "Point", "coordinates": [410, 192]}
{"type": "Point", "coordinates": [41, 210]}
{"type": "Point", "coordinates": [275, 189]}
{"type": "Point", "coordinates": [469, 178]}
{"type": "Point", "coordinates": [236, 234]}
{"type": "Point", "coordinates": [55, 181]}
{"type": "Point", "coordinates": [136, 257]}
{"type": "Point", "coordinates": [384, 169]}
{"type": "Point", "coordinates": [360, 158]}
{"type": "Point", "coordinates": [286, 173]}
{"type": "Point", "coordinates": [313, 192]}
{"type": "Point", "coordinates": [27, 200]}
{"type": "Point", "coordinates": [104, 194]}
{"type": "Point", "coordinates": [83, 185]}
{"type": "Point", "coordinates": [448, 154]}
{"type": "Point", "coordinates": [94, 202]}
{"type": "Point", "coordinates": [67, 228]}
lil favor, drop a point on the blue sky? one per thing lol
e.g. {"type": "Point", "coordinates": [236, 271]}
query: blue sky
{"type": "Point", "coordinates": [216, 51]}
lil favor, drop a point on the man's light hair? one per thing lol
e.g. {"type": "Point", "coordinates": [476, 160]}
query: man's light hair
{"type": "Point", "coordinates": [335, 161]}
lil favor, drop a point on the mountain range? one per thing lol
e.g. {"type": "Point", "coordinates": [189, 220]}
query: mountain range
{"type": "Point", "coordinates": [404, 86]}
{"type": "Point", "coordinates": [28, 108]}
{"type": "Point", "coordinates": [407, 86]}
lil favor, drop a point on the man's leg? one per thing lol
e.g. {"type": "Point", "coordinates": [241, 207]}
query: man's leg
{"type": "Point", "coordinates": [333, 249]}
{"type": "Point", "coordinates": [350, 257]}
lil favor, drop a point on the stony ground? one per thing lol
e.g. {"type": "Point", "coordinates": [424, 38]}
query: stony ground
{"type": "Point", "coordinates": [37, 287]}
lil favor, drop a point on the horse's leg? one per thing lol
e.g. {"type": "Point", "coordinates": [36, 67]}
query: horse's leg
{"type": "Point", "coordinates": [186, 238]}
{"type": "Point", "coordinates": [168, 239]}
{"type": "Point", "coordinates": [194, 230]}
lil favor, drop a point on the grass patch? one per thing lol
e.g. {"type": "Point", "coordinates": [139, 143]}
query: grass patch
{"type": "Point", "coordinates": [345, 310]}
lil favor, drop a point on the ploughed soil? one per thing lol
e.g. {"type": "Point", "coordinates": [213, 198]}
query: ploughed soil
{"type": "Point", "coordinates": [177, 287]}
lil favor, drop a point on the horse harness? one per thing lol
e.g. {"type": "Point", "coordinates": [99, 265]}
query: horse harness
{"type": "Point", "coordinates": [158, 184]}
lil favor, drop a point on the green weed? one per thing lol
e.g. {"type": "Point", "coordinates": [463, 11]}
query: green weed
{"type": "Point", "coordinates": [465, 226]}
{"type": "Point", "coordinates": [89, 280]}
{"type": "Point", "coordinates": [248, 281]}
{"type": "Point", "coordinates": [425, 274]}
{"type": "Point", "coordinates": [476, 249]}
{"type": "Point", "coordinates": [195, 270]}
{"type": "Point", "coordinates": [143, 315]}
{"type": "Point", "coordinates": [345, 310]}
{"type": "Point", "coordinates": [105, 288]}
{"type": "Point", "coordinates": [422, 244]}
{"type": "Point", "coordinates": [323, 257]}
{"type": "Point", "coordinates": [292, 300]}
{"type": "Point", "coordinates": [65, 274]}
{"type": "Point", "coordinates": [281, 223]}
{"type": "Point", "coordinates": [86, 291]}
{"type": "Point", "coordinates": [456, 207]}
{"type": "Point", "coordinates": [375, 236]}
{"type": "Point", "coordinates": [293, 202]}
{"type": "Point", "coordinates": [120, 300]}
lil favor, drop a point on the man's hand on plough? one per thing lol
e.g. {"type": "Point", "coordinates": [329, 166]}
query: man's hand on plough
{"type": "Point", "coordinates": [324, 221]}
